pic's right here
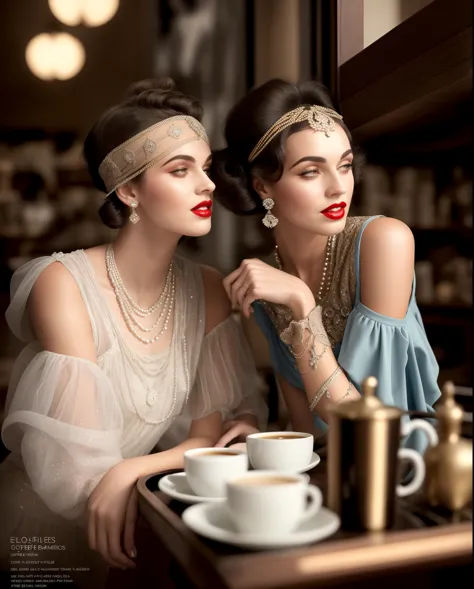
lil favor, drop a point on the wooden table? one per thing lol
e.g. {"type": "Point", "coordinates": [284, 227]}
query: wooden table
{"type": "Point", "coordinates": [425, 547]}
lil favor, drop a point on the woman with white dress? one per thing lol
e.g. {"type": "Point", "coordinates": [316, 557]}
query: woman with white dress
{"type": "Point", "coordinates": [120, 340]}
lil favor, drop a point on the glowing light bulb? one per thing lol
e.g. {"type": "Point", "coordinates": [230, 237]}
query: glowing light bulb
{"type": "Point", "coordinates": [92, 13]}
{"type": "Point", "coordinates": [55, 56]}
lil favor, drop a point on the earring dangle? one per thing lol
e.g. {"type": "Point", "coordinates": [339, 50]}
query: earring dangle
{"type": "Point", "coordinates": [134, 218]}
{"type": "Point", "coordinates": [270, 221]}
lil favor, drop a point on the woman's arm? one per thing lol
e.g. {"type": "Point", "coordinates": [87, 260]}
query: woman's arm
{"type": "Point", "coordinates": [58, 315]}
{"type": "Point", "coordinates": [297, 404]}
{"type": "Point", "coordinates": [203, 433]}
{"type": "Point", "coordinates": [61, 324]}
{"type": "Point", "coordinates": [255, 280]}
{"type": "Point", "coordinates": [386, 278]}
{"type": "Point", "coordinates": [113, 505]}
{"type": "Point", "coordinates": [387, 262]}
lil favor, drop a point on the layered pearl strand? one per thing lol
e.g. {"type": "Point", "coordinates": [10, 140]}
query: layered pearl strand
{"type": "Point", "coordinates": [152, 393]}
{"type": "Point", "coordinates": [130, 309]}
{"type": "Point", "coordinates": [323, 285]}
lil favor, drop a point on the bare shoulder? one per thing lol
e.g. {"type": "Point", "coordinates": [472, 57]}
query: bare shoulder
{"type": "Point", "coordinates": [218, 307]}
{"type": "Point", "coordinates": [387, 232]}
{"type": "Point", "coordinates": [58, 314]}
{"type": "Point", "coordinates": [387, 257]}
{"type": "Point", "coordinates": [96, 254]}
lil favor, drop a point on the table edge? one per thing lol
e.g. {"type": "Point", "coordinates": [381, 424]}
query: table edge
{"type": "Point", "coordinates": [354, 557]}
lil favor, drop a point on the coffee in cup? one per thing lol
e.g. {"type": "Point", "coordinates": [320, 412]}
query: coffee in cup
{"type": "Point", "coordinates": [271, 503]}
{"type": "Point", "coordinates": [208, 469]}
{"type": "Point", "coordinates": [281, 451]}
{"type": "Point", "coordinates": [280, 436]}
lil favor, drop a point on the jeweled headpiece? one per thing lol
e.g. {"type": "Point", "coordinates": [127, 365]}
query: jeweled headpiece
{"type": "Point", "coordinates": [143, 150]}
{"type": "Point", "coordinates": [320, 118]}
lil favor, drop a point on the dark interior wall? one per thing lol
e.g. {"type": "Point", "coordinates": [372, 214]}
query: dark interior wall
{"type": "Point", "coordinates": [117, 53]}
{"type": "Point", "coordinates": [409, 7]}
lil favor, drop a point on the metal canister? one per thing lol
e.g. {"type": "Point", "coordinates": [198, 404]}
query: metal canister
{"type": "Point", "coordinates": [363, 442]}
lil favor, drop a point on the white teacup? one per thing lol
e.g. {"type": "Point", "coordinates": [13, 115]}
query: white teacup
{"type": "Point", "coordinates": [208, 469]}
{"type": "Point", "coordinates": [283, 451]}
{"type": "Point", "coordinates": [271, 502]}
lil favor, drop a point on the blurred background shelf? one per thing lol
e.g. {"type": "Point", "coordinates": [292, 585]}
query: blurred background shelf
{"type": "Point", "coordinates": [451, 315]}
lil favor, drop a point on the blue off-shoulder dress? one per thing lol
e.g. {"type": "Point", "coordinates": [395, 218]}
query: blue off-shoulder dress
{"type": "Point", "coordinates": [365, 343]}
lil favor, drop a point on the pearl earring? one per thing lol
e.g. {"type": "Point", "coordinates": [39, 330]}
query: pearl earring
{"type": "Point", "coordinates": [270, 221]}
{"type": "Point", "coordinates": [134, 217]}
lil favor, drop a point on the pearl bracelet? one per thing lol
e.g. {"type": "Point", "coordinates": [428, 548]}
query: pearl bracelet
{"type": "Point", "coordinates": [324, 389]}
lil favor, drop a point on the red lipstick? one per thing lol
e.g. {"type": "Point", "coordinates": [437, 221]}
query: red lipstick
{"type": "Point", "coordinates": [203, 209]}
{"type": "Point", "coordinates": [335, 211]}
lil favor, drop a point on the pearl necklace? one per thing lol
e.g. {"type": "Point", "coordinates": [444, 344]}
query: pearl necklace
{"type": "Point", "coordinates": [327, 258]}
{"type": "Point", "coordinates": [129, 308]}
{"type": "Point", "coordinates": [151, 393]}
{"type": "Point", "coordinates": [125, 294]}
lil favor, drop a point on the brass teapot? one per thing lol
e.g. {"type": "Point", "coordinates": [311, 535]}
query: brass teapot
{"type": "Point", "coordinates": [448, 479]}
{"type": "Point", "coordinates": [364, 438]}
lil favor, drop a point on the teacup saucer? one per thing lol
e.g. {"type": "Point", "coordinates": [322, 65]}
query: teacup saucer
{"type": "Point", "coordinates": [315, 460]}
{"type": "Point", "coordinates": [212, 521]}
{"type": "Point", "coordinates": [176, 485]}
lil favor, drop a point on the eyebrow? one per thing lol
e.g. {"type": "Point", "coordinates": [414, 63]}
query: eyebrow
{"type": "Point", "coordinates": [319, 160]}
{"type": "Point", "coordinates": [188, 158]}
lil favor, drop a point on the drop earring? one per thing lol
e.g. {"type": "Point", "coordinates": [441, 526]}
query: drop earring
{"type": "Point", "coordinates": [134, 217]}
{"type": "Point", "coordinates": [270, 221]}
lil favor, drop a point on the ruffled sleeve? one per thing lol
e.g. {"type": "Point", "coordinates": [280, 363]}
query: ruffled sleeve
{"type": "Point", "coordinates": [63, 420]}
{"type": "Point", "coordinates": [226, 377]}
{"type": "Point", "coordinates": [397, 353]}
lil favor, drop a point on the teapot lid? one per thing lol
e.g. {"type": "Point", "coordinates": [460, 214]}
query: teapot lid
{"type": "Point", "coordinates": [368, 406]}
{"type": "Point", "coordinates": [449, 413]}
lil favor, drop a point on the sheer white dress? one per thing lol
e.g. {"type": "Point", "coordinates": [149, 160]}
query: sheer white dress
{"type": "Point", "coordinates": [69, 420]}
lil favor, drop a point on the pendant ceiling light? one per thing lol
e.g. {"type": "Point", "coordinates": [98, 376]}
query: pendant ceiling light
{"type": "Point", "coordinates": [55, 56]}
{"type": "Point", "coordinates": [92, 13]}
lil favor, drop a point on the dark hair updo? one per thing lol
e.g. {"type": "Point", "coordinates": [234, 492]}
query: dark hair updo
{"type": "Point", "coordinates": [147, 102]}
{"type": "Point", "coordinates": [246, 123]}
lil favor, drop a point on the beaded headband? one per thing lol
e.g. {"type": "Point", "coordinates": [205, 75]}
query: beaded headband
{"type": "Point", "coordinates": [320, 118]}
{"type": "Point", "coordinates": [143, 150]}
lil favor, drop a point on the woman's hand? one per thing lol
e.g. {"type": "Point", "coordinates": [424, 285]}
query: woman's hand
{"type": "Point", "coordinates": [131, 515]}
{"type": "Point", "coordinates": [112, 513]}
{"type": "Point", "coordinates": [255, 280]}
{"type": "Point", "coordinates": [235, 429]}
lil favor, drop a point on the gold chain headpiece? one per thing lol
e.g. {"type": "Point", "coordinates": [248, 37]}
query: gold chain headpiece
{"type": "Point", "coordinates": [320, 118]}
{"type": "Point", "coordinates": [143, 150]}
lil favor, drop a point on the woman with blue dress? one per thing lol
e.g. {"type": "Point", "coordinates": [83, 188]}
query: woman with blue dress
{"type": "Point", "coordinates": [337, 303]}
